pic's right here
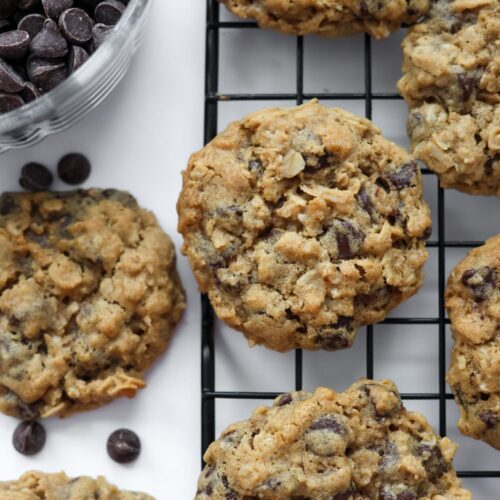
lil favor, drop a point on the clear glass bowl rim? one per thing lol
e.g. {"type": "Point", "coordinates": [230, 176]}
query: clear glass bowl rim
{"type": "Point", "coordinates": [45, 106]}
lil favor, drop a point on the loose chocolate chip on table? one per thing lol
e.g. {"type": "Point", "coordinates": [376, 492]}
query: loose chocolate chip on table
{"type": "Point", "coordinates": [109, 12]}
{"type": "Point", "coordinates": [32, 24]}
{"type": "Point", "coordinates": [35, 177]}
{"type": "Point", "coordinates": [77, 56]}
{"type": "Point", "coordinates": [14, 44]}
{"type": "Point", "coordinates": [74, 168]}
{"type": "Point", "coordinates": [124, 446]}
{"type": "Point", "coordinates": [76, 25]}
{"type": "Point", "coordinates": [49, 43]}
{"type": "Point", "coordinates": [10, 81]}
{"type": "Point", "coordinates": [9, 102]}
{"type": "Point", "coordinates": [29, 438]}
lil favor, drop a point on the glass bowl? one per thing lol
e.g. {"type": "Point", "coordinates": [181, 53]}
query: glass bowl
{"type": "Point", "coordinates": [83, 90]}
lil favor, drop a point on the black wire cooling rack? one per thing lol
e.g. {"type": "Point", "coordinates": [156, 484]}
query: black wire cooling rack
{"type": "Point", "coordinates": [209, 394]}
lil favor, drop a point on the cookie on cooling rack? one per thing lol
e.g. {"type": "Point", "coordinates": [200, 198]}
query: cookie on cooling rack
{"type": "Point", "coordinates": [89, 297]}
{"type": "Point", "coordinates": [331, 17]}
{"type": "Point", "coordinates": [473, 303]}
{"type": "Point", "coordinates": [361, 443]}
{"type": "Point", "coordinates": [452, 85]}
{"type": "Point", "coordinates": [35, 485]}
{"type": "Point", "coordinates": [303, 224]}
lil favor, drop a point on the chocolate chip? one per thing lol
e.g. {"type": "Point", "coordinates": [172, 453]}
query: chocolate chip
{"type": "Point", "coordinates": [35, 177]}
{"type": "Point", "coordinates": [54, 8]}
{"type": "Point", "coordinates": [480, 282]}
{"type": "Point", "coordinates": [29, 92]}
{"type": "Point", "coordinates": [488, 165]}
{"type": "Point", "coordinates": [9, 102]}
{"type": "Point", "coordinates": [109, 12]}
{"type": "Point", "coordinates": [489, 418]}
{"type": "Point", "coordinates": [329, 423]}
{"type": "Point", "coordinates": [32, 24]}
{"type": "Point", "coordinates": [74, 168]}
{"type": "Point", "coordinates": [77, 56]}
{"type": "Point", "coordinates": [382, 182]}
{"type": "Point", "coordinates": [14, 44]}
{"type": "Point", "coordinates": [76, 25]}
{"type": "Point", "coordinates": [365, 202]}
{"type": "Point", "coordinates": [10, 81]}
{"type": "Point", "coordinates": [404, 175]}
{"type": "Point", "coordinates": [49, 43]}
{"type": "Point", "coordinates": [124, 446]}
{"type": "Point", "coordinates": [467, 83]}
{"type": "Point", "coordinates": [7, 8]}
{"type": "Point", "coordinates": [285, 399]}
{"type": "Point", "coordinates": [29, 438]}
{"type": "Point", "coordinates": [349, 239]}
{"type": "Point", "coordinates": [99, 34]}
{"type": "Point", "coordinates": [46, 74]}
{"type": "Point", "coordinates": [7, 204]}
{"type": "Point", "coordinates": [432, 459]}
{"type": "Point", "coordinates": [255, 166]}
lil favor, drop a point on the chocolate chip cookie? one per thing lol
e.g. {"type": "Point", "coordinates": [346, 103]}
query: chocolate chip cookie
{"type": "Point", "coordinates": [359, 444]}
{"type": "Point", "coordinates": [331, 17]}
{"type": "Point", "coordinates": [89, 297]}
{"type": "Point", "coordinates": [303, 224]}
{"type": "Point", "coordinates": [40, 486]}
{"type": "Point", "coordinates": [452, 85]}
{"type": "Point", "coordinates": [473, 302]}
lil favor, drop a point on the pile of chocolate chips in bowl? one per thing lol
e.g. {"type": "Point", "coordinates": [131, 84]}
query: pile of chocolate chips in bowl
{"type": "Point", "coordinates": [42, 42]}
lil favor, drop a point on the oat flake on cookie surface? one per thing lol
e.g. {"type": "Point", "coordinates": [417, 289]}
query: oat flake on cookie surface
{"type": "Point", "coordinates": [89, 297]}
{"type": "Point", "coordinates": [361, 444]}
{"type": "Point", "coordinates": [303, 224]}
{"type": "Point", "coordinates": [331, 17]}
{"type": "Point", "coordinates": [452, 85]}
{"type": "Point", "coordinates": [473, 303]}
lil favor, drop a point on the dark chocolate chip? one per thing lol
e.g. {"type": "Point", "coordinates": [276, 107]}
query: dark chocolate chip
{"type": "Point", "coordinates": [467, 83]}
{"type": "Point", "coordinates": [124, 446]}
{"type": "Point", "coordinates": [28, 4]}
{"type": "Point", "coordinates": [328, 423]}
{"type": "Point", "coordinates": [49, 43]}
{"type": "Point", "coordinates": [74, 168]}
{"type": "Point", "coordinates": [9, 102]}
{"type": "Point", "coordinates": [480, 282]}
{"type": "Point", "coordinates": [29, 92]}
{"type": "Point", "coordinates": [35, 177]}
{"type": "Point", "coordinates": [54, 8]}
{"type": "Point", "coordinates": [109, 12]}
{"type": "Point", "coordinates": [29, 438]}
{"type": "Point", "coordinates": [488, 165]}
{"type": "Point", "coordinates": [77, 56]}
{"type": "Point", "coordinates": [46, 73]}
{"type": "Point", "coordinates": [99, 34]}
{"type": "Point", "coordinates": [489, 418]}
{"type": "Point", "coordinates": [349, 239]}
{"type": "Point", "coordinates": [365, 202]}
{"type": "Point", "coordinates": [10, 81]}
{"type": "Point", "coordinates": [432, 458]}
{"type": "Point", "coordinates": [404, 175]}
{"type": "Point", "coordinates": [32, 24]}
{"type": "Point", "coordinates": [5, 25]}
{"type": "Point", "coordinates": [381, 182]}
{"type": "Point", "coordinates": [14, 44]}
{"type": "Point", "coordinates": [76, 25]}
{"type": "Point", "coordinates": [7, 8]}
{"type": "Point", "coordinates": [7, 204]}
{"type": "Point", "coordinates": [285, 399]}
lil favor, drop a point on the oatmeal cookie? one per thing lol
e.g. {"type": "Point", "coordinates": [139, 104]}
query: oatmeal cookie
{"type": "Point", "coordinates": [303, 224]}
{"type": "Point", "coordinates": [89, 297]}
{"type": "Point", "coordinates": [40, 486]}
{"type": "Point", "coordinates": [331, 17]}
{"type": "Point", "coordinates": [473, 302]}
{"type": "Point", "coordinates": [361, 444]}
{"type": "Point", "coordinates": [452, 85]}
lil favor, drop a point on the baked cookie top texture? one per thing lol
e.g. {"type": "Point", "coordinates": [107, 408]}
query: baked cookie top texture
{"type": "Point", "coordinates": [89, 297]}
{"type": "Point", "coordinates": [303, 224]}
{"type": "Point", "coordinates": [452, 85]}
{"type": "Point", "coordinates": [473, 302]}
{"type": "Point", "coordinates": [40, 486]}
{"type": "Point", "coordinates": [331, 17]}
{"type": "Point", "coordinates": [354, 445]}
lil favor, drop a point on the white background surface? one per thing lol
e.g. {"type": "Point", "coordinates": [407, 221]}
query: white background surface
{"type": "Point", "coordinates": [140, 139]}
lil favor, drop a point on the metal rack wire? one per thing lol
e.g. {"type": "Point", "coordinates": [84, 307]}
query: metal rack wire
{"type": "Point", "coordinates": [209, 394]}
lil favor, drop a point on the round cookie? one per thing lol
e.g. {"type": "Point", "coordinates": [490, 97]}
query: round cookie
{"type": "Point", "coordinates": [331, 17]}
{"type": "Point", "coordinates": [89, 297]}
{"type": "Point", "coordinates": [473, 303]}
{"type": "Point", "coordinates": [303, 224]}
{"type": "Point", "coordinates": [452, 85]}
{"type": "Point", "coordinates": [361, 443]}
{"type": "Point", "coordinates": [40, 486]}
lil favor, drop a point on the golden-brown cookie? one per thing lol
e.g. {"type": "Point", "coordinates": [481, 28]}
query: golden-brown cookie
{"type": "Point", "coordinates": [473, 303]}
{"type": "Point", "coordinates": [41, 486]}
{"type": "Point", "coordinates": [452, 85]}
{"type": "Point", "coordinates": [331, 17]}
{"type": "Point", "coordinates": [303, 224]}
{"type": "Point", "coordinates": [89, 297]}
{"type": "Point", "coordinates": [361, 444]}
